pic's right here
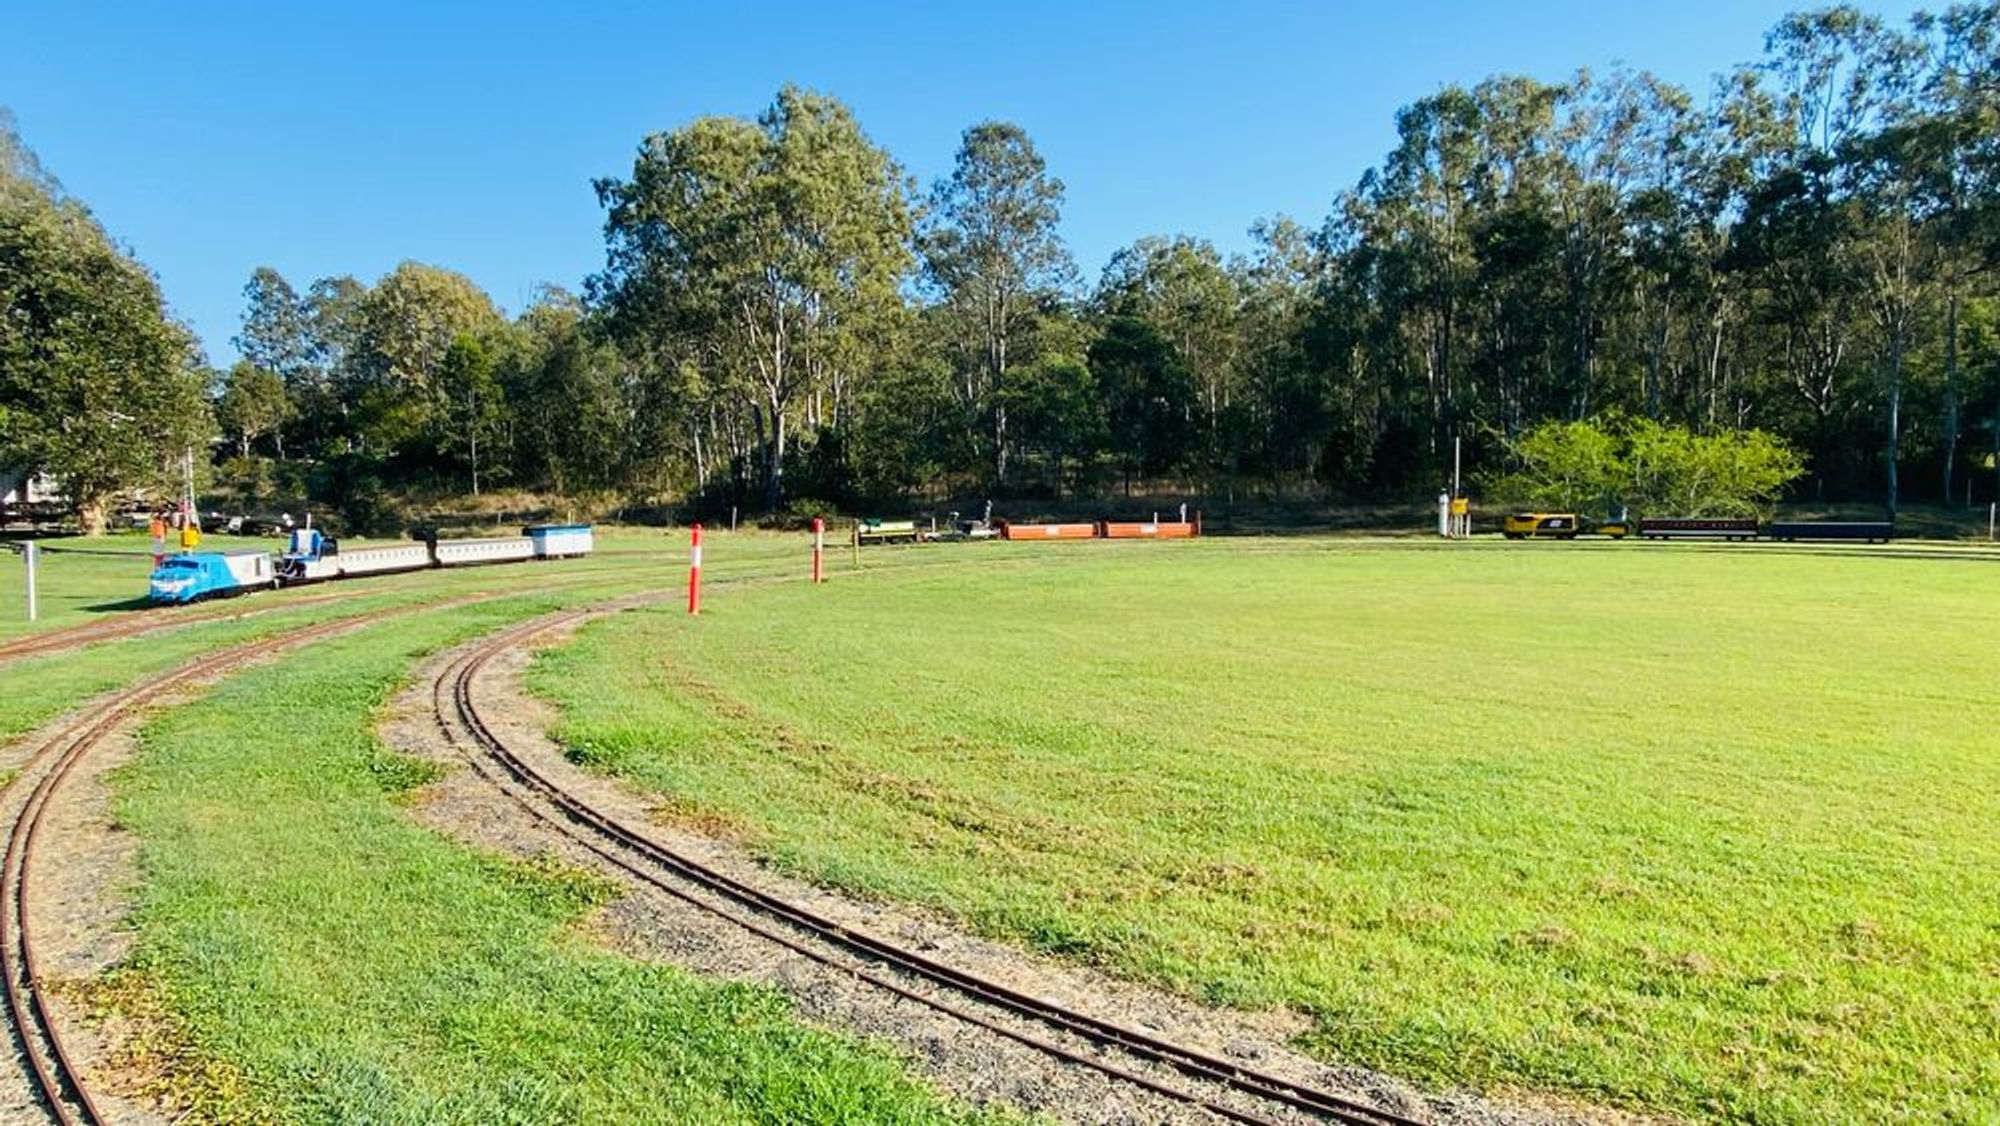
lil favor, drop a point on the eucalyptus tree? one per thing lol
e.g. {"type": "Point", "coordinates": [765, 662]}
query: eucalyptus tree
{"type": "Point", "coordinates": [407, 323]}
{"type": "Point", "coordinates": [568, 420]}
{"type": "Point", "coordinates": [1957, 135]}
{"type": "Point", "coordinates": [277, 338]}
{"type": "Point", "coordinates": [1183, 288]}
{"type": "Point", "coordinates": [1413, 220]}
{"type": "Point", "coordinates": [764, 253]}
{"type": "Point", "coordinates": [253, 404]}
{"type": "Point", "coordinates": [1286, 400]}
{"type": "Point", "coordinates": [992, 256]}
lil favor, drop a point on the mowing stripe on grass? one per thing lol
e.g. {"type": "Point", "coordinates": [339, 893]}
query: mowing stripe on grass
{"type": "Point", "coordinates": [1695, 832]}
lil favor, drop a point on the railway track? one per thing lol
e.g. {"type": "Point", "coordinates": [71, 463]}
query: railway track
{"type": "Point", "coordinates": [141, 622]}
{"type": "Point", "coordinates": [51, 1065]}
{"type": "Point", "coordinates": [1225, 1089]}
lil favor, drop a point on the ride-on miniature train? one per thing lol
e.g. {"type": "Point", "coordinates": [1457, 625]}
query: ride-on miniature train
{"type": "Point", "coordinates": [310, 557]}
{"type": "Point", "coordinates": [872, 531]}
{"type": "Point", "coordinates": [1567, 525]}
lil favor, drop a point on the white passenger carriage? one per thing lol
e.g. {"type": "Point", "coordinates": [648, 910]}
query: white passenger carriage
{"type": "Point", "coordinates": [560, 541]}
{"type": "Point", "coordinates": [312, 557]}
{"type": "Point", "coordinates": [462, 553]}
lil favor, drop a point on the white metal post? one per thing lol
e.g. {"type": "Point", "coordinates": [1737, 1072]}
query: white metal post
{"type": "Point", "coordinates": [1991, 511]}
{"type": "Point", "coordinates": [31, 553]}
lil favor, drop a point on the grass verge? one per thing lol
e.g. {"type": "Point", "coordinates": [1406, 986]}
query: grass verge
{"type": "Point", "coordinates": [334, 962]}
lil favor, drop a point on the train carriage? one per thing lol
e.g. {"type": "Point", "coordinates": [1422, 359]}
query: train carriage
{"type": "Point", "coordinates": [1697, 528]}
{"type": "Point", "coordinates": [462, 553]}
{"type": "Point", "coordinates": [560, 541]}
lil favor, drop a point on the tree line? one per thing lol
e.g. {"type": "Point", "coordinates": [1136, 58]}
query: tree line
{"type": "Point", "coordinates": [1805, 250]}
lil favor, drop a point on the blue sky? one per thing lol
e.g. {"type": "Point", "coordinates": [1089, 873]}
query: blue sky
{"type": "Point", "coordinates": [343, 138]}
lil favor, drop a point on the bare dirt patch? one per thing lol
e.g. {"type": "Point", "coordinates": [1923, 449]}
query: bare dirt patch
{"type": "Point", "coordinates": [84, 872]}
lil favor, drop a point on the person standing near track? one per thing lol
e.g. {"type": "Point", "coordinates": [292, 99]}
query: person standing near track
{"type": "Point", "coordinates": [158, 529]}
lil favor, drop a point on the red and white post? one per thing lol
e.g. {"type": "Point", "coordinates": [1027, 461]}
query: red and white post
{"type": "Point", "coordinates": [694, 571]}
{"type": "Point", "coordinates": [819, 549]}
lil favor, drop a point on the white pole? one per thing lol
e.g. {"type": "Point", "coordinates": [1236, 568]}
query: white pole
{"type": "Point", "coordinates": [31, 553]}
{"type": "Point", "coordinates": [187, 479]}
{"type": "Point", "coordinates": [1991, 511]}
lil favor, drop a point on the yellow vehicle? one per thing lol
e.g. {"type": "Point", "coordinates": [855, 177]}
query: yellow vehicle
{"type": "Point", "coordinates": [1540, 525]}
{"type": "Point", "coordinates": [1616, 529]}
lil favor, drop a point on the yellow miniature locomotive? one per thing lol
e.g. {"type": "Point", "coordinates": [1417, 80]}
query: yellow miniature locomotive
{"type": "Point", "coordinates": [1540, 525]}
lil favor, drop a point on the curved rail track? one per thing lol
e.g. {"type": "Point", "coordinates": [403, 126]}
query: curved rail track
{"type": "Point", "coordinates": [1040, 1024]}
{"type": "Point", "coordinates": [50, 1062]}
{"type": "Point", "coordinates": [142, 622]}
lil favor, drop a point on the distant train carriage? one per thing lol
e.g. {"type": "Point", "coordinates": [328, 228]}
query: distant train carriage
{"type": "Point", "coordinates": [887, 531]}
{"type": "Point", "coordinates": [1872, 531]}
{"type": "Point", "coordinates": [312, 557]}
{"type": "Point", "coordinates": [1541, 525]}
{"type": "Point", "coordinates": [559, 541]}
{"type": "Point", "coordinates": [1145, 530]}
{"type": "Point", "coordinates": [1014, 531]}
{"type": "Point", "coordinates": [1697, 528]}
{"type": "Point", "coordinates": [462, 553]}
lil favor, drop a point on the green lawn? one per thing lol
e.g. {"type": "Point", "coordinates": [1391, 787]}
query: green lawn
{"type": "Point", "coordinates": [1691, 830]}
{"type": "Point", "coordinates": [319, 957]}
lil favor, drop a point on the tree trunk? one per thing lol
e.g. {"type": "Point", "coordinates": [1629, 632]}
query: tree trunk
{"type": "Point", "coordinates": [774, 458]}
{"type": "Point", "coordinates": [999, 443]}
{"type": "Point", "coordinates": [474, 438]}
{"type": "Point", "coordinates": [1895, 417]}
{"type": "Point", "coordinates": [1951, 389]}
{"type": "Point", "coordinates": [90, 514]}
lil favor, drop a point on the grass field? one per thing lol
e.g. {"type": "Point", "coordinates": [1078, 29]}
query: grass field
{"type": "Point", "coordinates": [309, 954]}
{"type": "Point", "coordinates": [1699, 831]}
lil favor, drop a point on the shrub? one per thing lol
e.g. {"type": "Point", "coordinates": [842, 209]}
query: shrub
{"type": "Point", "coordinates": [1615, 463]}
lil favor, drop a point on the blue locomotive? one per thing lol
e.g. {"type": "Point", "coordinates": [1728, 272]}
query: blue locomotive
{"type": "Point", "coordinates": [208, 574]}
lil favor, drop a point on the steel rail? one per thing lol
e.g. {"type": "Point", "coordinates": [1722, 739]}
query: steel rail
{"type": "Point", "coordinates": [575, 813]}
{"type": "Point", "coordinates": [59, 1082]}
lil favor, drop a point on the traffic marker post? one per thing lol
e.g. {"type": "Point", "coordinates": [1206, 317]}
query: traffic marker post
{"type": "Point", "coordinates": [694, 571]}
{"type": "Point", "coordinates": [31, 554]}
{"type": "Point", "coordinates": [819, 549]}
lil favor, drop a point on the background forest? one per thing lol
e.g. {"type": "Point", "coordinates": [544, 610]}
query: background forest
{"type": "Point", "coordinates": [784, 319]}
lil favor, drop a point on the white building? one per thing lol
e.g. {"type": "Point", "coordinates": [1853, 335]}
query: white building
{"type": "Point", "coordinates": [19, 487]}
